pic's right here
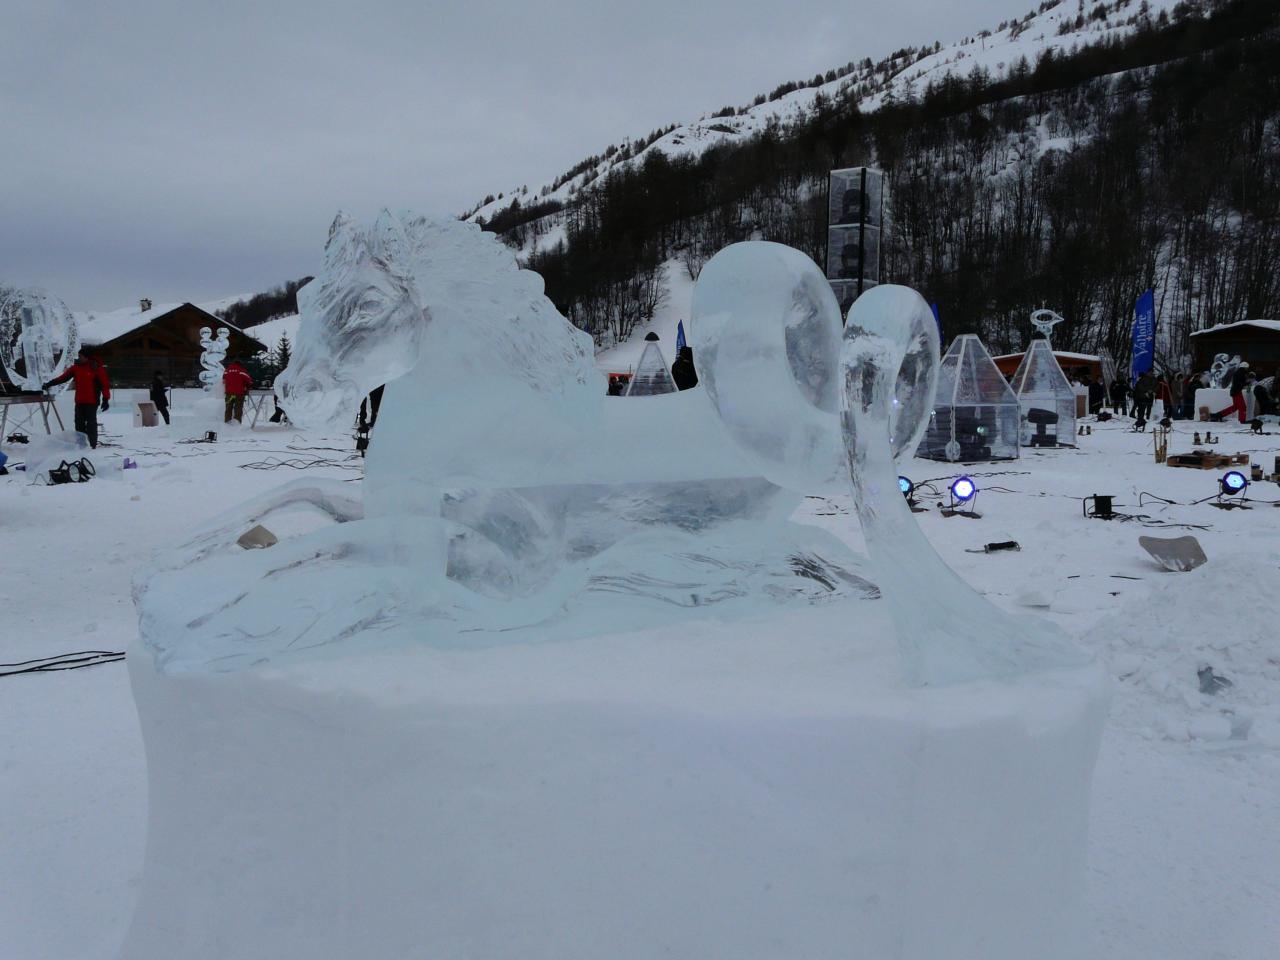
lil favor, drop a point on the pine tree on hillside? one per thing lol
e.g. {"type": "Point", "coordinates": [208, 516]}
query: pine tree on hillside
{"type": "Point", "coordinates": [283, 353]}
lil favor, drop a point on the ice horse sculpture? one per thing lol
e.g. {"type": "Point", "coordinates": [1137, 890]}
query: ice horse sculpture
{"type": "Point", "coordinates": [38, 332]}
{"type": "Point", "coordinates": [430, 720]}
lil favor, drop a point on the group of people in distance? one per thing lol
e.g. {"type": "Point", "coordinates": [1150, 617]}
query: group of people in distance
{"type": "Point", "coordinates": [93, 391]}
{"type": "Point", "coordinates": [1177, 391]}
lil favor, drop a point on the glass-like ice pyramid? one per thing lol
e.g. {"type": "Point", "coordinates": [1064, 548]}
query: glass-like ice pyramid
{"type": "Point", "coordinates": [1047, 399]}
{"type": "Point", "coordinates": [652, 375]}
{"type": "Point", "coordinates": [976, 415]}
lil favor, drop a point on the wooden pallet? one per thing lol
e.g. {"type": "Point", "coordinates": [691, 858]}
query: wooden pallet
{"type": "Point", "coordinates": [1207, 460]}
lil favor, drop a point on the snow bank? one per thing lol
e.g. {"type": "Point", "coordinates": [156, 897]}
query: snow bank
{"type": "Point", "coordinates": [750, 795]}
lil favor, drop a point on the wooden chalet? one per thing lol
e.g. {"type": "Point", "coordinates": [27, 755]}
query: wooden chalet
{"type": "Point", "coordinates": [1257, 341]}
{"type": "Point", "coordinates": [136, 344]}
{"type": "Point", "coordinates": [1072, 364]}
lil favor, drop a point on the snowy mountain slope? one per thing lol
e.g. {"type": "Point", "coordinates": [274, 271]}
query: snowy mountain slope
{"type": "Point", "coordinates": [1056, 25]}
{"type": "Point", "coordinates": [271, 331]}
{"type": "Point", "coordinates": [678, 306]}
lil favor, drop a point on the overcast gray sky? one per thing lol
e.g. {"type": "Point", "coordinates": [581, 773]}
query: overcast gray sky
{"type": "Point", "coordinates": [192, 150]}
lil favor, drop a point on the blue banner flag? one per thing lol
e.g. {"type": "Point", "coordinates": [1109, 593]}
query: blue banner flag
{"type": "Point", "coordinates": [679, 336]}
{"type": "Point", "coordinates": [937, 318]}
{"type": "Point", "coordinates": [1144, 334]}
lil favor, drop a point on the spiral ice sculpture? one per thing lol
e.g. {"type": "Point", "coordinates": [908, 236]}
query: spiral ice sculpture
{"type": "Point", "coordinates": [215, 351]}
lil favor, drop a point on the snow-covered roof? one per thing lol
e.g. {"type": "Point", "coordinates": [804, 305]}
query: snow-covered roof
{"type": "Point", "coordinates": [99, 328]}
{"type": "Point", "coordinates": [1272, 325]}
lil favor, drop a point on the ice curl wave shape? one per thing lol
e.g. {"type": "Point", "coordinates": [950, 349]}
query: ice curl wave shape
{"type": "Point", "coordinates": [816, 409]}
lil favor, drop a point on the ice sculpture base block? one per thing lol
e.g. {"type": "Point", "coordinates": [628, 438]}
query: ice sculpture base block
{"type": "Point", "coordinates": [759, 790]}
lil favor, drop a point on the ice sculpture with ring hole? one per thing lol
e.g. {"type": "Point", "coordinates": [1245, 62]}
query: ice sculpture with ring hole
{"type": "Point", "coordinates": [782, 783]}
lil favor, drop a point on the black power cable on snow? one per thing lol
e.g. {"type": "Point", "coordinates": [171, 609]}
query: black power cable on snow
{"type": "Point", "coordinates": [63, 661]}
{"type": "Point", "coordinates": [299, 463]}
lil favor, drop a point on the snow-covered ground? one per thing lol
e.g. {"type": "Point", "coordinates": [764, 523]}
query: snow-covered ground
{"type": "Point", "coordinates": [1185, 845]}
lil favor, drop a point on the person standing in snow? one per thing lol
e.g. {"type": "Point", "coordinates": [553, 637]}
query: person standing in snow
{"type": "Point", "coordinates": [1164, 394]}
{"type": "Point", "coordinates": [236, 383]}
{"type": "Point", "coordinates": [160, 396]}
{"type": "Point", "coordinates": [1264, 396]}
{"type": "Point", "coordinates": [1097, 393]}
{"type": "Point", "coordinates": [682, 371]}
{"type": "Point", "coordinates": [1239, 380]}
{"type": "Point", "coordinates": [1144, 393]}
{"type": "Point", "coordinates": [1119, 395]}
{"type": "Point", "coordinates": [92, 388]}
{"type": "Point", "coordinates": [1178, 389]}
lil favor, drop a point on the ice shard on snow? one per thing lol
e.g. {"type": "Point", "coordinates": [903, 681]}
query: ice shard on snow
{"type": "Point", "coordinates": [652, 376]}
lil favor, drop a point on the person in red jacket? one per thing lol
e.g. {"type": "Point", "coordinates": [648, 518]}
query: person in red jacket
{"type": "Point", "coordinates": [235, 384]}
{"type": "Point", "coordinates": [92, 388]}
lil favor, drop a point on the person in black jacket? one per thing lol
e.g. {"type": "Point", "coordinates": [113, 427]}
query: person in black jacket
{"type": "Point", "coordinates": [160, 396]}
{"type": "Point", "coordinates": [682, 371]}
{"type": "Point", "coordinates": [1144, 393]}
{"type": "Point", "coordinates": [1097, 393]}
{"type": "Point", "coordinates": [1119, 395]}
{"type": "Point", "coordinates": [1264, 396]}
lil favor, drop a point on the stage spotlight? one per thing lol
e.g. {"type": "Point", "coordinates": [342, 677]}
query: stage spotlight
{"type": "Point", "coordinates": [906, 486]}
{"type": "Point", "coordinates": [963, 490]}
{"type": "Point", "coordinates": [1233, 483]}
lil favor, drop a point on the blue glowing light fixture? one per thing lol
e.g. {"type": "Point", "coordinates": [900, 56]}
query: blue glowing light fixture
{"type": "Point", "coordinates": [963, 489]}
{"type": "Point", "coordinates": [1233, 483]}
{"type": "Point", "coordinates": [906, 486]}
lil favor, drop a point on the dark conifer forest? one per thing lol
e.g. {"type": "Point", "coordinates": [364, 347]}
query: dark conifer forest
{"type": "Point", "coordinates": [1075, 182]}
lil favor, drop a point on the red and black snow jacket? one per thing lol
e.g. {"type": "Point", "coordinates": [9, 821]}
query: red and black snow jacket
{"type": "Point", "coordinates": [236, 381]}
{"type": "Point", "coordinates": [91, 381]}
